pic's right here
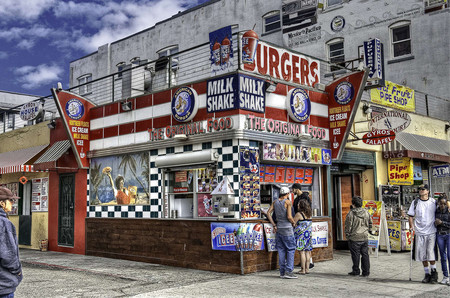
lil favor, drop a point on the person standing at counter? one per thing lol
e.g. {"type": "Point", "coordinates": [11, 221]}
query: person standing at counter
{"type": "Point", "coordinates": [10, 267]}
{"type": "Point", "coordinates": [421, 222]}
{"type": "Point", "coordinates": [358, 223]}
{"type": "Point", "coordinates": [299, 195]}
{"type": "Point", "coordinates": [442, 223]}
{"type": "Point", "coordinates": [284, 239]}
{"type": "Point", "coordinates": [303, 233]}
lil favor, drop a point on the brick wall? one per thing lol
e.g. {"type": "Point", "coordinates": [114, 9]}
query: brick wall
{"type": "Point", "coordinates": [182, 243]}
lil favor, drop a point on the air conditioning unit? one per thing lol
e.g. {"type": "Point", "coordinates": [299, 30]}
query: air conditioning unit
{"type": "Point", "coordinates": [434, 3]}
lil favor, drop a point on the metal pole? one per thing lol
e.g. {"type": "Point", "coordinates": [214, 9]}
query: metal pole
{"type": "Point", "coordinates": [241, 253]}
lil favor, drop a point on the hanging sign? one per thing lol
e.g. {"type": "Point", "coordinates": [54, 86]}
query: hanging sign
{"type": "Point", "coordinates": [31, 111]}
{"type": "Point", "coordinates": [394, 96]}
{"type": "Point", "coordinates": [344, 95]}
{"type": "Point", "coordinates": [392, 120]}
{"type": "Point", "coordinates": [379, 137]}
{"type": "Point", "coordinates": [75, 114]}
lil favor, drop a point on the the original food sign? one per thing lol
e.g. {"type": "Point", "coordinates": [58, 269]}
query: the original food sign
{"type": "Point", "coordinates": [31, 111]}
{"type": "Point", "coordinates": [390, 120]}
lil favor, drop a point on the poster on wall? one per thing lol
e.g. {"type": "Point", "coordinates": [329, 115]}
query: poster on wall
{"type": "Point", "coordinates": [120, 180]}
{"type": "Point", "coordinates": [39, 194]}
{"type": "Point", "coordinates": [270, 237]}
{"type": "Point", "coordinates": [221, 51]}
{"type": "Point", "coordinates": [205, 207]}
{"type": "Point", "coordinates": [319, 234]}
{"type": "Point", "coordinates": [395, 235]}
{"type": "Point", "coordinates": [299, 154]}
{"type": "Point", "coordinates": [237, 236]}
{"type": "Point", "coordinates": [400, 171]}
{"type": "Point", "coordinates": [375, 210]}
{"type": "Point", "coordinates": [249, 182]}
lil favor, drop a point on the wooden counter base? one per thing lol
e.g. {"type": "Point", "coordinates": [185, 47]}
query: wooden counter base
{"type": "Point", "coordinates": [181, 243]}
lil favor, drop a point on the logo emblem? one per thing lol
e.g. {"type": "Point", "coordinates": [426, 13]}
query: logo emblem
{"type": "Point", "coordinates": [344, 93]}
{"type": "Point", "coordinates": [184, 104]}
{"type": "Point", "coordinates": [337, 23]}
{"type": "Point", "coordinates": [74, 109]}
{"type": "Point", "coordinates": [298, 105]}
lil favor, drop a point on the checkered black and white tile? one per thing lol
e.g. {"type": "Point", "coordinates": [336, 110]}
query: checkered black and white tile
{"type": "Point", "coordinates": [227, 165]}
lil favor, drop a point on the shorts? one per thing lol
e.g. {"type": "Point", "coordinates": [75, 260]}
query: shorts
{"type": "Point", "coordinates": [425, 247]}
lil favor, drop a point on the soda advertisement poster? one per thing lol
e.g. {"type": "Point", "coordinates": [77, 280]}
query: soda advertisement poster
{"type": "Point", "coordinates": [374, 208]}
{"type": "Point", "coordinates": [270, 237]}
{"type": "Point", "coordinates": [406, 240]}
{"type": "Point", "coordinates": [221, 51]}
{"type": "Point", "coordinates": [237, 236]}
{"type": "Point", "coordinates": [249, 182]}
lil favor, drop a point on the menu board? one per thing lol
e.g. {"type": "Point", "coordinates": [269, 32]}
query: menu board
{"type": "Point", "coordinates": [280, 174]}
{"type": "Point", "coordinates": [296, 154]}
{"type": "Point", "coordinates": [250, 182]}
{"type": "Point", "coordinates": [14, 188]}
{"type": "Point", "coordinates": [290, 175]}
{"type": "Point", "coordinates": [269, 174]}
{"type": "Point", "coordinates": [39, 194]}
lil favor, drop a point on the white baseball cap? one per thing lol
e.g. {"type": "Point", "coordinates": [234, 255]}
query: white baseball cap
{"type": "Point", "coordinates": [284, 190]}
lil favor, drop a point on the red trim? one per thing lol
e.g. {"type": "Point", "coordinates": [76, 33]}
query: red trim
{"type": "Point", "coordinates": [96, 134]}
{"type": "Point", "coordinates": [111, 131]}
{"type": "Point", "coordinates": [276, 114]}
{"type": "Point", "coordinates": [126, 128]}
{"type": "Point", "coordinates": [162, 97]}
{"type": "Point", "coordinates": [162, 121]}
{"type": "Point", "coordinates": [144, 101]}
{"type": "Point", "coordinates": [96, 113]}
{"type": "Point", "coordinates": [112, 109]}
{"type": "Point", "coordinates": [143, 125]}
{"type": "Point", "coordinates": [200, 87]}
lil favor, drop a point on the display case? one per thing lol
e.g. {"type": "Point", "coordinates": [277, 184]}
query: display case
{"type": "Point", "coordinates": [390, 195]}
{"type": "Point", "coordinates": [409, 193]}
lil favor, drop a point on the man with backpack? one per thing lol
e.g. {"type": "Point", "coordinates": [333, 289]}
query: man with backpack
{"type": "Point", "coordinates": [421, 222]}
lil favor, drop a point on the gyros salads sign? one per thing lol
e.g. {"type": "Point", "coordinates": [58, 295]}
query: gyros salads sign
{"type": "Point", "coordinates": [30, 111]}
{"type": "Point", "coordinates": [390, 120]}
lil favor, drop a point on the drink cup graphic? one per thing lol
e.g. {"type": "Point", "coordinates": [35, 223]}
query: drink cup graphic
{"type": "Point", "coordinates": [225, 49]}
{"type": "Point", "coordinates": [249, 44]}
{"type": "Point", "coordinates": [257, 237]}
{"type": "Point", "coordinates": [216, 53]}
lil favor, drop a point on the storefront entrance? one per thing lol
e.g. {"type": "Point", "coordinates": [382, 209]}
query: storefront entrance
{"type": "Point", "coordinates": [66, 210]}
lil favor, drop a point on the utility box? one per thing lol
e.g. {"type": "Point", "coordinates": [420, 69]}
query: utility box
{"type": "Point", "coordinates": [223, 198]}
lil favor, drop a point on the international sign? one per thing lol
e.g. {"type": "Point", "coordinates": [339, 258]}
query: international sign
{"type": "Point", "coordinates": [390, 120]}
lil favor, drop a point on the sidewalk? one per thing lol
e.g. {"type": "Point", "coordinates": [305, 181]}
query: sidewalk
{"type": "Point", "coordinates": [102, 277]}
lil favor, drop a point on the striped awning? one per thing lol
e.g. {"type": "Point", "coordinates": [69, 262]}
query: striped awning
{"type": "Point", "coordinates": [15, 161]}
{"type": "Point", "coordinates": [54, 152]}
{"type": "Point", "coordinates": [423, 144]}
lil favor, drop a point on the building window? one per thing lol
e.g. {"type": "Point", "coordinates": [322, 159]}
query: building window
{"type": "Point", "coordinates": [400, 39]}
{"type": "Point", "coordinates": [85, 89]}
{"type": "Point", "coordinates": [167, 51]}
{"type": "Point", "coordinates": [336, 53]}
{"type": "Point", "coordinates": [11, 120]}
{"type": "Point", "coordinates": [271, 21]}
{"type": "Point", "coordinates": [333, 2]}
{"type": "Point", "coordinates": [120, 66]}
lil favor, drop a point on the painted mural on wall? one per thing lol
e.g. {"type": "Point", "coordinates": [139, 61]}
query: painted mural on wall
{"type": "Point", "coordinates": [120, 180]}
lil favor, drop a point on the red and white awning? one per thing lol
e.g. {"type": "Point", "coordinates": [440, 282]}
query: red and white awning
{"type": "Point", "coordinates": [15, 161]}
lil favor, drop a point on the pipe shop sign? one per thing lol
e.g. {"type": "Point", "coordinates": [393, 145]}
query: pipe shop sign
{"type": "Point", "coordinates": [401, 171]}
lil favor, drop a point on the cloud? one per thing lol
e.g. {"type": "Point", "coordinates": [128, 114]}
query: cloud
{"type": "Point", "coordinates": [113, 21]}
{"type": "Point", "coordinates": [3, 55]}
{"type": "Point", "coordinates": [24, 10]}
{"type": "Point", "coordinates": [31, 77]}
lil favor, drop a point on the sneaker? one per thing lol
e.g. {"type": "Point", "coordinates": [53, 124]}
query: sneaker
{"type": "Point", "coordinates": [281, 275]}
{"type": "Point", "coordinates": [445, 280]}
{"type": "Point", "coordinates": [434, 276]}
{"type": "Point", "coordinates": [353, 273]}
{"type": "Point", "coordinates": [290, 275]}
{"type": "Point", "coordinates": [426, 279]}
{"type": "Point", "coordinates": [311, 266]}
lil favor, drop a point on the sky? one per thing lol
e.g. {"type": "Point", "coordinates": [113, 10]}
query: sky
{"type": "Point", "coordinates": [39, 38]}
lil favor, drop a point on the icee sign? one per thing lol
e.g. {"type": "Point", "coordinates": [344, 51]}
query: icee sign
{"type": "Point", "coordinates": [235, 92]}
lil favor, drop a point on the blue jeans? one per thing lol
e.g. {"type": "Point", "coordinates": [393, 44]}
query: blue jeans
{"type": "Point", "coordinates": [444, 250]}
{"type": "Point", "coordinates": [10, 295]}
{"type": "Point", "coordinates": [286, 250]}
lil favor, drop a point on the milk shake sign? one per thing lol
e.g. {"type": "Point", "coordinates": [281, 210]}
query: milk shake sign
{"type": "Point", "coordinates": [283, 65]}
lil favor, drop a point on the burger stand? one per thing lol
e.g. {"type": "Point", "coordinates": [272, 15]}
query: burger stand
{"type": "Point", "coordinates": [187, 186]}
